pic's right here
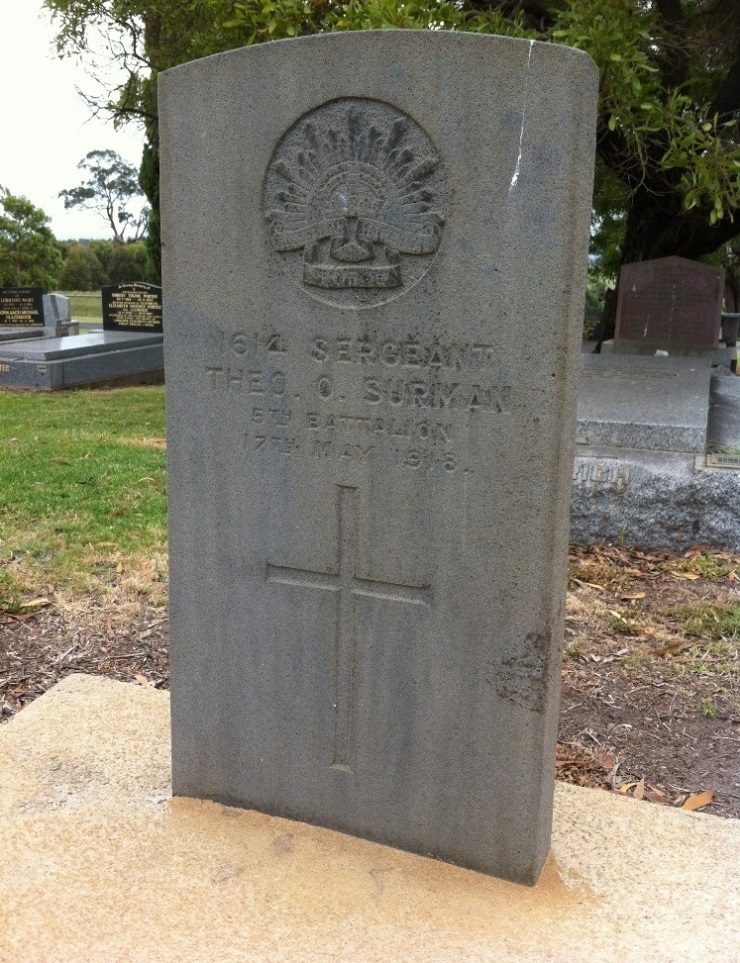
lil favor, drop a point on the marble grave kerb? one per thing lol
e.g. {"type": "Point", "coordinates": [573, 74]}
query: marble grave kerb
{"type": "Point", "coordinates": [369, 470]}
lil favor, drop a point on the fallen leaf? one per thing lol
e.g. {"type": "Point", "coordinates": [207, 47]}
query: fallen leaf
{"type": "Point", "coordinates": [632, 598]}
{"type": "Point", "coordinates": [36, 604]}
{"type": "Point", "coordinates": [655, 796]}
{"type": "Point", "coordinates": [142, 680]}
{"type": "Point", "coordinates": [671, 647]}
{"type": "Point", "coordinates": [685, 575]}
{"type": "Point", "coordinates": [119, 567]}
{"type": "Point", "coordinates": [589, 584]}
{"type": "Point", "coordinates": [639, 792]}
{"type": "Point", "coordinates": [699, 799]}
{"type": "Point", "coordinates": [604, 759]}
{"type": "Point", "coordinates": [626, 787]}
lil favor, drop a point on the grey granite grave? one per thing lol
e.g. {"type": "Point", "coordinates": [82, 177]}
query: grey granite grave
{"type": "Point", "coordinates": [369, 475]}
{"type": "Point", "coordinates": [58, 321]}
{"type": "Point", "coordinates": [661, 499]}
{"type": "Point", "coordinates": [107, 357]}
{"type": "Point", "coordinates": [644, 402]}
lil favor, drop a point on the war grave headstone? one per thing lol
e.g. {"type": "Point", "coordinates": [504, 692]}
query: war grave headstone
{"type": "Point", "coordinates": [368, 475]}
{"type": "Point", "coordinates": [669, 303]}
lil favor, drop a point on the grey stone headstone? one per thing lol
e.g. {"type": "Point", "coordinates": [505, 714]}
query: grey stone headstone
{"type": "Point", "coordinates": [370, 450]}
{"type": "Point", "coordinates": [58, 317]}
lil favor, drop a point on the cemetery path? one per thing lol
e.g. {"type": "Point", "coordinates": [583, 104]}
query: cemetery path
{"type": "Point", "coordinates": [651, 675]}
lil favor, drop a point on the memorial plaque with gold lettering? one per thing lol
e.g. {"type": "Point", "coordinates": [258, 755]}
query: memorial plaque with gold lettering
{"type": "Point", "coordinates": [132, 306]}
{"type": "Point", "coordinates": [22, 307]}
{"type": "Point", "coordinates": [370, 447]}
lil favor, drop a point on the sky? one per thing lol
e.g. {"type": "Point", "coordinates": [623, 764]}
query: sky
{"type": "Point", "coordinates": [45, 126]}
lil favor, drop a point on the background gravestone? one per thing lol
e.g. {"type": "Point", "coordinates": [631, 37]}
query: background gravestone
{"type": "Point", "coordinates": [31, 313]}
{"type": "Point", "coordinates": [369, 469]}
{"type": "Point", "coordinates": [670, 303]}
{"type": "Point", "coordinates": [22, 307]}
{"type": "Point", "coordinates": [132, 306]}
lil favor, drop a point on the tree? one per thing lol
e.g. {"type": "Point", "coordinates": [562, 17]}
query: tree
{"type": "Point", "coordinates": [29, 253]}
{"type": "Point", "coordinates": [82, 269]}
{"type": "Point", "coordinates": [129, 263]}
{"type": "Point", "coordinates": [143, 37]}
{"type": "Point", "coordinates": [669, 104]}
{"type": "Point", "coordinates": [110, 188]}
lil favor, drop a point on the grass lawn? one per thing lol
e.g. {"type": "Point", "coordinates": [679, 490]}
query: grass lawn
{"type": "Point", "coordinates": [86, 306]}
{"type": "Point", "coordinates": [651, 685]}
{"type": "Point", "coordinates": [82, 486]}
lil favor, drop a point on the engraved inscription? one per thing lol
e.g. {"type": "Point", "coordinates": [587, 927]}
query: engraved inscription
{"type": "Point", "coordinates": [22, 307]}
{"type": "Point", "coordinates": [600, 476]}
{"type": "Point", "coordinates": [345, 582]}
{"type": "Point", "coordinates": [355, 200]}
{"type": "Point", "coordinates": [4, 367]}
{"type": "Point", "coordinates": [407, 402]}
{"type": "Point", "coordinates": [723, 461]}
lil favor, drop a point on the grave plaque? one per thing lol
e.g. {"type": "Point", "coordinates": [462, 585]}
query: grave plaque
{"type": "Point", "coordinates": [22, 307]}
{"type": "Point", "coordinates": [369, 475]}
{"type": "Point", "coordinates": [670, 303]}
{"type": "Point", "coordinates": [132, 306]}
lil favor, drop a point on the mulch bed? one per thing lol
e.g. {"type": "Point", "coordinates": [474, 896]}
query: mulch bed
{"type": "Point", "coordinates": [642, 715]}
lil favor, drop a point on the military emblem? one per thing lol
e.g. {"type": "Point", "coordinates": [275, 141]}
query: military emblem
{"type": "Point", "coordinates": [355, 198]}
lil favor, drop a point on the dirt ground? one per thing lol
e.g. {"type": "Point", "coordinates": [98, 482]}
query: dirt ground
{"type": "Point", "coordinates": [651, 680]}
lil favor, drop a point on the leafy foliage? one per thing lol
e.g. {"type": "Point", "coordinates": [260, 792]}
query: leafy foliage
{"type": "Point", "coordinates": [669, 154]}
{"type": "Point", "coordinates": [29, 253]}
{"type": "Point", "coordinates": [111, 186]}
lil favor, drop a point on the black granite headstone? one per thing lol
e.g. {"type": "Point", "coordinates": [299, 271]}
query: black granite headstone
{"type": "Point", "coordinates": [22, 307]}
{"type": "Point", "coordinates": [133, 306]}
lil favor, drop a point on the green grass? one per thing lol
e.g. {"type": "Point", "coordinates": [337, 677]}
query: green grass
{"type": "Point", "coordinates": [82, 483]}
{"type": "Point", "coordinates": [86, 305]}
{"type": "Point", "coordinates": [713, 622]}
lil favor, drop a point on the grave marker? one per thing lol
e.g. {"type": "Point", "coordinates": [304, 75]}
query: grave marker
{"type": "Point", "coordinates": [132, 306]}
{"type": "Point", "coordinates": [369, 478]}
{"type": "Point", "coordinates": [22, 307]}
{"type": "Point", "coordinates": [670, 303]}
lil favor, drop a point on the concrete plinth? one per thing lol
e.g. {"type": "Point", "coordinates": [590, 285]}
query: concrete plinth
{"type": "Point", "coordinates": [100, 864]}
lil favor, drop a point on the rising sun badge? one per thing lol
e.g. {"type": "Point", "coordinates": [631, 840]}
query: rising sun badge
{"type": "Point", "coordinates": [355, 197]}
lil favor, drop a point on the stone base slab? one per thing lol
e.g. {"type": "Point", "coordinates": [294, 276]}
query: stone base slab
{"type": "Point", "coordinates": [654, 499]}
{"type": "Point", "coordinates": [644, 402]}
{"type": "Point", "coordinates": [100, 864]}
{"type": "Point", "coordinates": [103, 358]}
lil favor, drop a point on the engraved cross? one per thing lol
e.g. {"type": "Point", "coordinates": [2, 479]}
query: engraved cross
{"type": "Point", "coordinates": [347, 585]}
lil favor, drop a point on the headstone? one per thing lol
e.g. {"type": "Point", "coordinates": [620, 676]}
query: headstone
{"type": "Point", "coordinates": [644, 402]}
{"type": "Point", "coordinates": [669, 303]}
{"type": "Point", "coordinates": [378, 279]}
{"type": "Point", "coordinates": [58, 316]}
{"type": "Point", "coordinates": [132, 306]}
{"type": "Point", "coordinates": [31, 313]}
{"type": "Point", "coordinates": [22, 307]}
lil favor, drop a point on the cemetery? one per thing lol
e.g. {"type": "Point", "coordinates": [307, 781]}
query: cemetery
{"type": "Point", "coordinates": [434, 655]}
{"type": "Point", "coordinates": [128, 349]}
